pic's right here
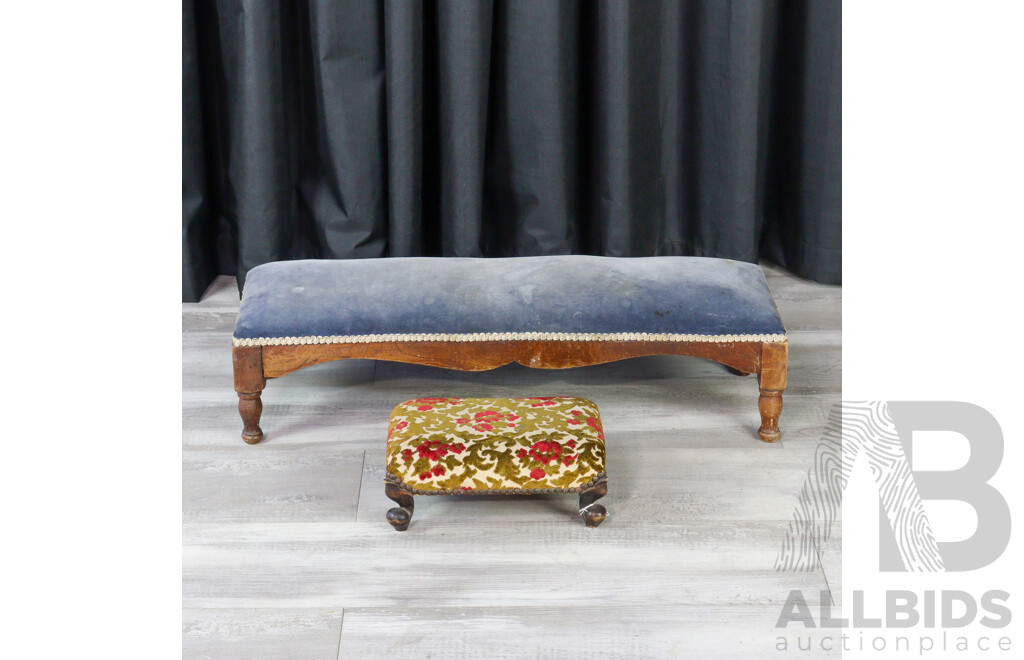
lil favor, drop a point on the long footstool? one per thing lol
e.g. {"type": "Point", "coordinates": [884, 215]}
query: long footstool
{"type": "Point", "coordinates": [463, 446]}
{"type": "Point", "coordinates": [476, 314]}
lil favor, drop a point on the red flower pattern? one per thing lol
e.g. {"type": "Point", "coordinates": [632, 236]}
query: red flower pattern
{"type": "Point", "coordinates": [546, 450]}
{"type": "Point", "coordinates": [429, 403]}
{"type": "Point", "coordinates": [485, 420]}
{"type": "Point", "coordinates": [398, 427]}
{"type": "Point", "coordinates": [549, 451]}
{"type": "Point", "coordinates": [536, 474]}
{"type": "Point", "coordinates": [435, 450]}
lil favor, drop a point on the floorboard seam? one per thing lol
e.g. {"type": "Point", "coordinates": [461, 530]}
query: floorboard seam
{"type": "Point", "coordinates": [341, 631]}
{"type": "Point", "coordinates": [359, 489]}
{"type": "Point", "coordinates": [821, 565]}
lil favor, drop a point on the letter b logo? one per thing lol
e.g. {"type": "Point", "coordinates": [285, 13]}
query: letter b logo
{"type": "Point", "coordinates": [967, 484]}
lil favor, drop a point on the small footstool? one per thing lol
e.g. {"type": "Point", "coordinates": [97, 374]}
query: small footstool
{"type": "Point", "coordinates": [450, 446]}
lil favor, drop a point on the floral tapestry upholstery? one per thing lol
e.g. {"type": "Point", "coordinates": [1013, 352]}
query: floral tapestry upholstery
{"type": "Point", "coordinates": [537, 444]}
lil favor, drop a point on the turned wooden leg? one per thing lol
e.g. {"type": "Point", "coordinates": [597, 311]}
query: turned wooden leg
{"type": "Point", "coordinates": [250, 407]}
{"type": "Point", "coordinates": [737, 372]}
{"type": "Point", "coordinates": [249, 382]}
{"type": "Point", "coordinates": [771, 379]}
{"type": "Point", "coordinates": [770, 405]}
{"type": "Point", "coordinates": [399, 516]}
{"type": "Point", "coordinates": [593, 514]}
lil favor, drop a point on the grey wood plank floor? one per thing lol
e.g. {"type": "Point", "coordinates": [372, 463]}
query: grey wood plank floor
{"type": "Point", "coordinates": [287, 554]}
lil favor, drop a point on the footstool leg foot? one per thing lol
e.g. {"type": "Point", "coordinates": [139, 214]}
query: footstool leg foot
{"type": "Point", "coordinates": [771, 380]}
{"type": "Point", "coordinates": [249, 383]}
{"type": "Point", "coordinates": [250, 407]}
{"type": "Point", "coordinates": [770, 405]}
{"type": "Point", "coordinates": [399, 516]}
{"type": "Point", "coordinates": [593, 514]}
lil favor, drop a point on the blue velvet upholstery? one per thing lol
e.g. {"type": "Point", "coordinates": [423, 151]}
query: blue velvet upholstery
{"type": "Point", "coordinates": [557, 294]}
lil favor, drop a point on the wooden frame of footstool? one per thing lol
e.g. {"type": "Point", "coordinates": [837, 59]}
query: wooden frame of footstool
{"type": "Point", "coordinates": [592, 514]}
{"type": "Point", "coordinates": [255, 364]}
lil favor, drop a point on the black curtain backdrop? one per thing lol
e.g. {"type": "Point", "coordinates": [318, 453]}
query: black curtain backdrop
{"type": "Point", "coordinates": [354, 128]}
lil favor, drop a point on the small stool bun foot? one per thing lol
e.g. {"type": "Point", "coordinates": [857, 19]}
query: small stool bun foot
{"type": "Point", "coordinates": [593, 514]}
{"type": "Point", "coordinates": [401, 515]}
{"type": "Point", "coordinates": [399, 518]}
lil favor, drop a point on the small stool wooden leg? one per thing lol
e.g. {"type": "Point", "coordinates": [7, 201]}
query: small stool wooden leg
{"type": "Point", "coordinates": [593, 514]}
{"type": "Point", "coordinates": [399, 516]}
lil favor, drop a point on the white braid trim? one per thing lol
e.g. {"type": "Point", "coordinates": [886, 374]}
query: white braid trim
{"type": "Point", "coordinates": [506, 336]}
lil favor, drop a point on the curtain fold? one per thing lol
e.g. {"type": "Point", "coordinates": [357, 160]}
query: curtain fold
{"type": "Point", "coordinates": [355, 129]}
